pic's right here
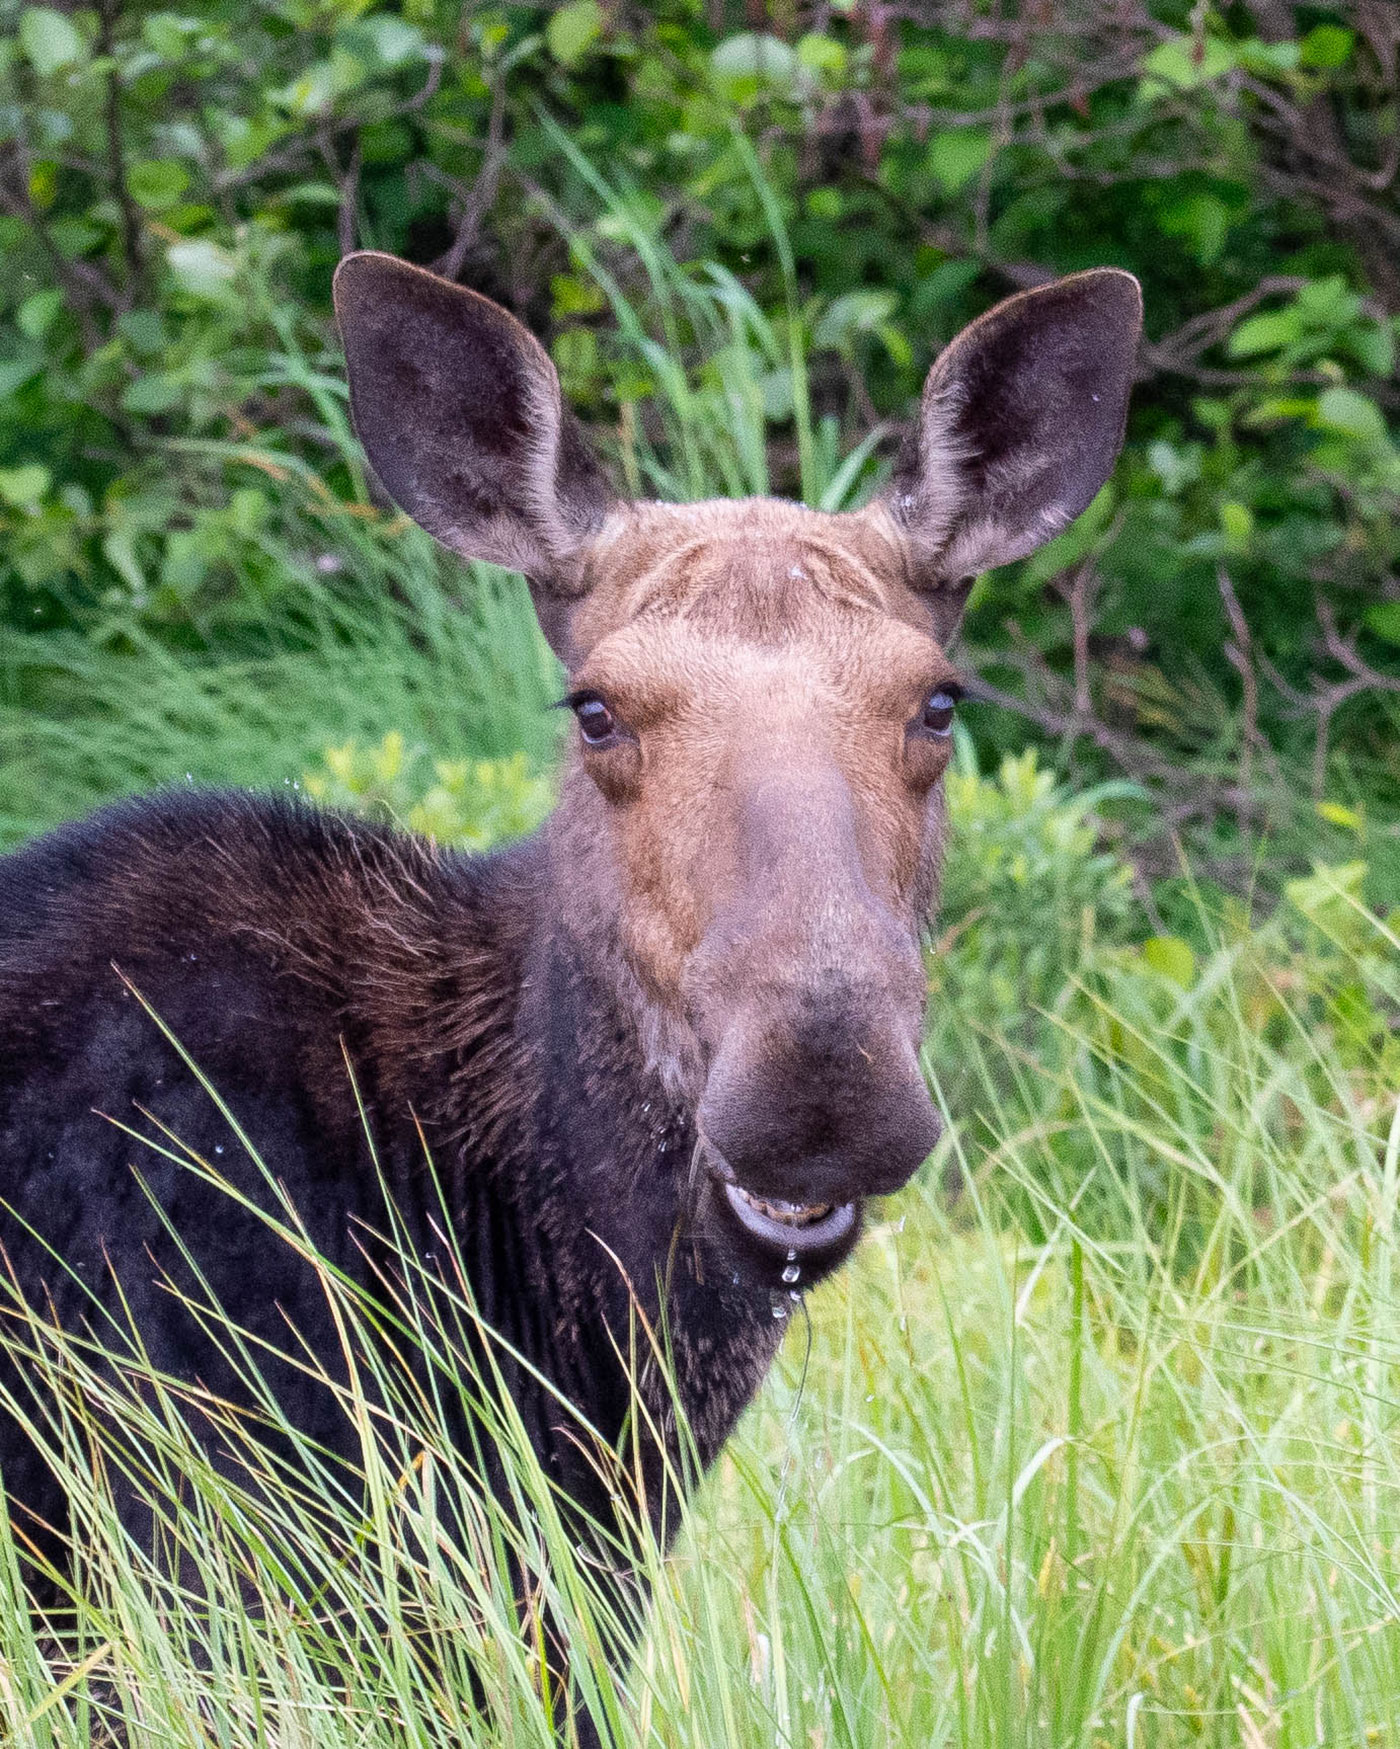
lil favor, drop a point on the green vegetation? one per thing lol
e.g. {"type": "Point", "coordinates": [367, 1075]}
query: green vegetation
{"type": "Point", "coordinates": [743, 241]}
{"type": "Point", "coordinates": [1103, 1450]}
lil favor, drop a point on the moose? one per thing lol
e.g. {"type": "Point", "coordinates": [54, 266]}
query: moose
{"type": "Point", "coordinates": [688, 1008]}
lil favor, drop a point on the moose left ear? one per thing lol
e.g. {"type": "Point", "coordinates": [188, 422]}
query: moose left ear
{"type": "Point", "coordinates": [1020, 423]}
{"type": "Point", "coordinates": [459, 410]}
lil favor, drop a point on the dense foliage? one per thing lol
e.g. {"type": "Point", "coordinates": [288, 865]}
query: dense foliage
{"type": "Point", "coordinates": [744, 237]}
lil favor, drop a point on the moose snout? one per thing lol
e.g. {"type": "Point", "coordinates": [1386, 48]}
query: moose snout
{"type": "Point", "coordinates": [820, 1102]}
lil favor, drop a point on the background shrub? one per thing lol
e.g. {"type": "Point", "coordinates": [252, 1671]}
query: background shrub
{"type": "Point", "coordinates": [744, 235]}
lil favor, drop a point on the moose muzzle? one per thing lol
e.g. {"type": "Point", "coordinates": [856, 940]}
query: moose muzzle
{"type": "Point", "coordinates": [811, 993]}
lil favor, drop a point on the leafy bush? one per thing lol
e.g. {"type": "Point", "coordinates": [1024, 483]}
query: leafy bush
{"type": "Point", "coordinates": [745, 244]}
{"type": "Point", "coordinates": [469, 804]}
{"type": "Point", "coordinates": [1027, 892]}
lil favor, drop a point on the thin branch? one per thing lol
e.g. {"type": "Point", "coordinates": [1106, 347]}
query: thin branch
{"type": "Point", "coordinates": [482, 195]}
{"type": "Point", "coordinates": [1324, 698]}
{"type": "Point", "coordinates": [348, 182]}
{"type": "Point", "coordinates": [1239, 653]}
{"type": "Point", "coordinates": [133, 251]}
{"type": "Point", "coordinates": [292, 157]}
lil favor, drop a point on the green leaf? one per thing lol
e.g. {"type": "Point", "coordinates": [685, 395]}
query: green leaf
{"type": "Point", "coordinates": [575, 296]}
{"type": "Point", "coordinates": [36, 314]}
{"type": "Point", "coordinates": [1383, 618]}
{"type": "Point", "coordinates": [16, 372]}
{"type": "Point", "coordinates": [49, 40]}
{"type": "Point", "coordinates": [157, 182]}
{"type": "Point", "coordinates": [1267, 59]}
{"type": "Point", "coordinates": [144, 329]}
{"type": "Point", "coordinates": [312, 92]}
{"type": "Point", "coordinates": [169, 34]}
{"type": "Point", "coordinates": [1351, 414]}
{"type": "Point", "coordinates": [395, 41]}
{"type": "Point", "coordinates": [1336, 815]}
{"type": "Point", "coordinates": [896, 343]}
{"type": "Point", "coordinates": [1266, 333]}
{"type": "Point", "coordinates": [1237, 525]}
{"type": "Point", "coordinates": [944, 285]}
{"type": "Point", "coordinates": [1373, 348]}
{"type": "Point", "coordinates": [1278, 407]}
{"type": "Point", "coordinates": [1326, 47]}
{"type": "Point", "coordinates": [822, 54]}
{"type": "Point", "coordinates": [1183, 63]}
{"type": "Point", "coordinates": [573, 30]}
{"type": "Point", "coordinates": [186, 561]}
{"type": "Point", "coordinates": [1170, 957]}
{"type": "Point", "coordinates": [202, 268]}
{"type": "Point", "coordinates": [153, 392]}
{"type": "Point", "coordinates": [25, 486]}
{"type": "Point", "coordinates": [1202, 219]}
{"type": "Point", "coordinates": [854, 312]}
{"type": "Point", "coordinates": [956, 156]}
{"type": "Point", "coordinates": [746, 64]}
{"type": "Point", "coordinates": [119, 550]}
{"type": "Point", "coordinates": [1329, 302]}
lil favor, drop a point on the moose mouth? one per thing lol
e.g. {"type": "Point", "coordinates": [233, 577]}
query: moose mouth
{"type": "Point", "coordinates": [793, 1228]}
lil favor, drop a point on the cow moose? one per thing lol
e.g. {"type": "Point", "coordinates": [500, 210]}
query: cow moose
{"type": "Point", "coordinates": [689, 1005]}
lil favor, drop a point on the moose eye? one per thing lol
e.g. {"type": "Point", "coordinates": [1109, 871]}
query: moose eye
{"type": "Point", "coordinates": [937, 715]}
{"type": "Point", "coordinates": [596, 722]}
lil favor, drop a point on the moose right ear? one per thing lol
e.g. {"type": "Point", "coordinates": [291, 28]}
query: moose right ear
{"type": "Point", "coordinates": [1020, 424]}
{"type": "Point", "coordinates": [460, 413]}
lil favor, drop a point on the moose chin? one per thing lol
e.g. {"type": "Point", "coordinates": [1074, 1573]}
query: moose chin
{"type": "Point", "coordinates": [668, 1046]}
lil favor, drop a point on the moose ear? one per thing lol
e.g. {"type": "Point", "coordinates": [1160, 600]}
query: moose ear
{"type": "Point", "coordinates": [459, 410]}
{"type": "Point", "coordinates": [1020, 423]}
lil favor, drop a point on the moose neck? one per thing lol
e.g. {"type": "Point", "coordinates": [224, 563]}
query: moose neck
{"type": "Point", "coordinates": [583, 1165]}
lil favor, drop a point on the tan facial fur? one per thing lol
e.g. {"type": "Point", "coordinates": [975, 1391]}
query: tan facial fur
{"type": "Point", "coordinates": [748, 852]}
{"type": "Point", "coordinates": [764, 663]}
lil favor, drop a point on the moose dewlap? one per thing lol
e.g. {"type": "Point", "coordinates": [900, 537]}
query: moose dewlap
{"type": "Point", "coordinates": [672, 1036]}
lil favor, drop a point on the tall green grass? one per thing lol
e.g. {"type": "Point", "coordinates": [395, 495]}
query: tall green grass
{"type": "Point", "coordinates": [461, 669]}
{"type": "Point", "coordinates": [1077, 1476]}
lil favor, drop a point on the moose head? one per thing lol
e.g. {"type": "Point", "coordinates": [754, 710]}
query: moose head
{"type": "Point", "coordinates": [751, 820]}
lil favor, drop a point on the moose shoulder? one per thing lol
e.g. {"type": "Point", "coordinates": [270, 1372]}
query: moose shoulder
{"type": "Point", "coordinates": [688, 1010]}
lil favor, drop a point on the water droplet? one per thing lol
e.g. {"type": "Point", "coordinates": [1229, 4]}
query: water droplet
{"type": "Point", "coordinates": [218, 1147]}
{"type": "Point", "coordinates": [778, 1305]}
{"type": "Point", "coordinates": [792, 1255]}
{"type": "Point", "coordinates": [794, 1296]}
{"type": "Point", "coordinates": [793, 1272]}
{"type": "Point", "coordinates": [734, 1278]}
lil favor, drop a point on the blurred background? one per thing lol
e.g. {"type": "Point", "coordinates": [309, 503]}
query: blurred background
{"type": "Point", "coordinates": [743, 231]}
{"type": "Point", "coordinates": [1102, 1452]}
